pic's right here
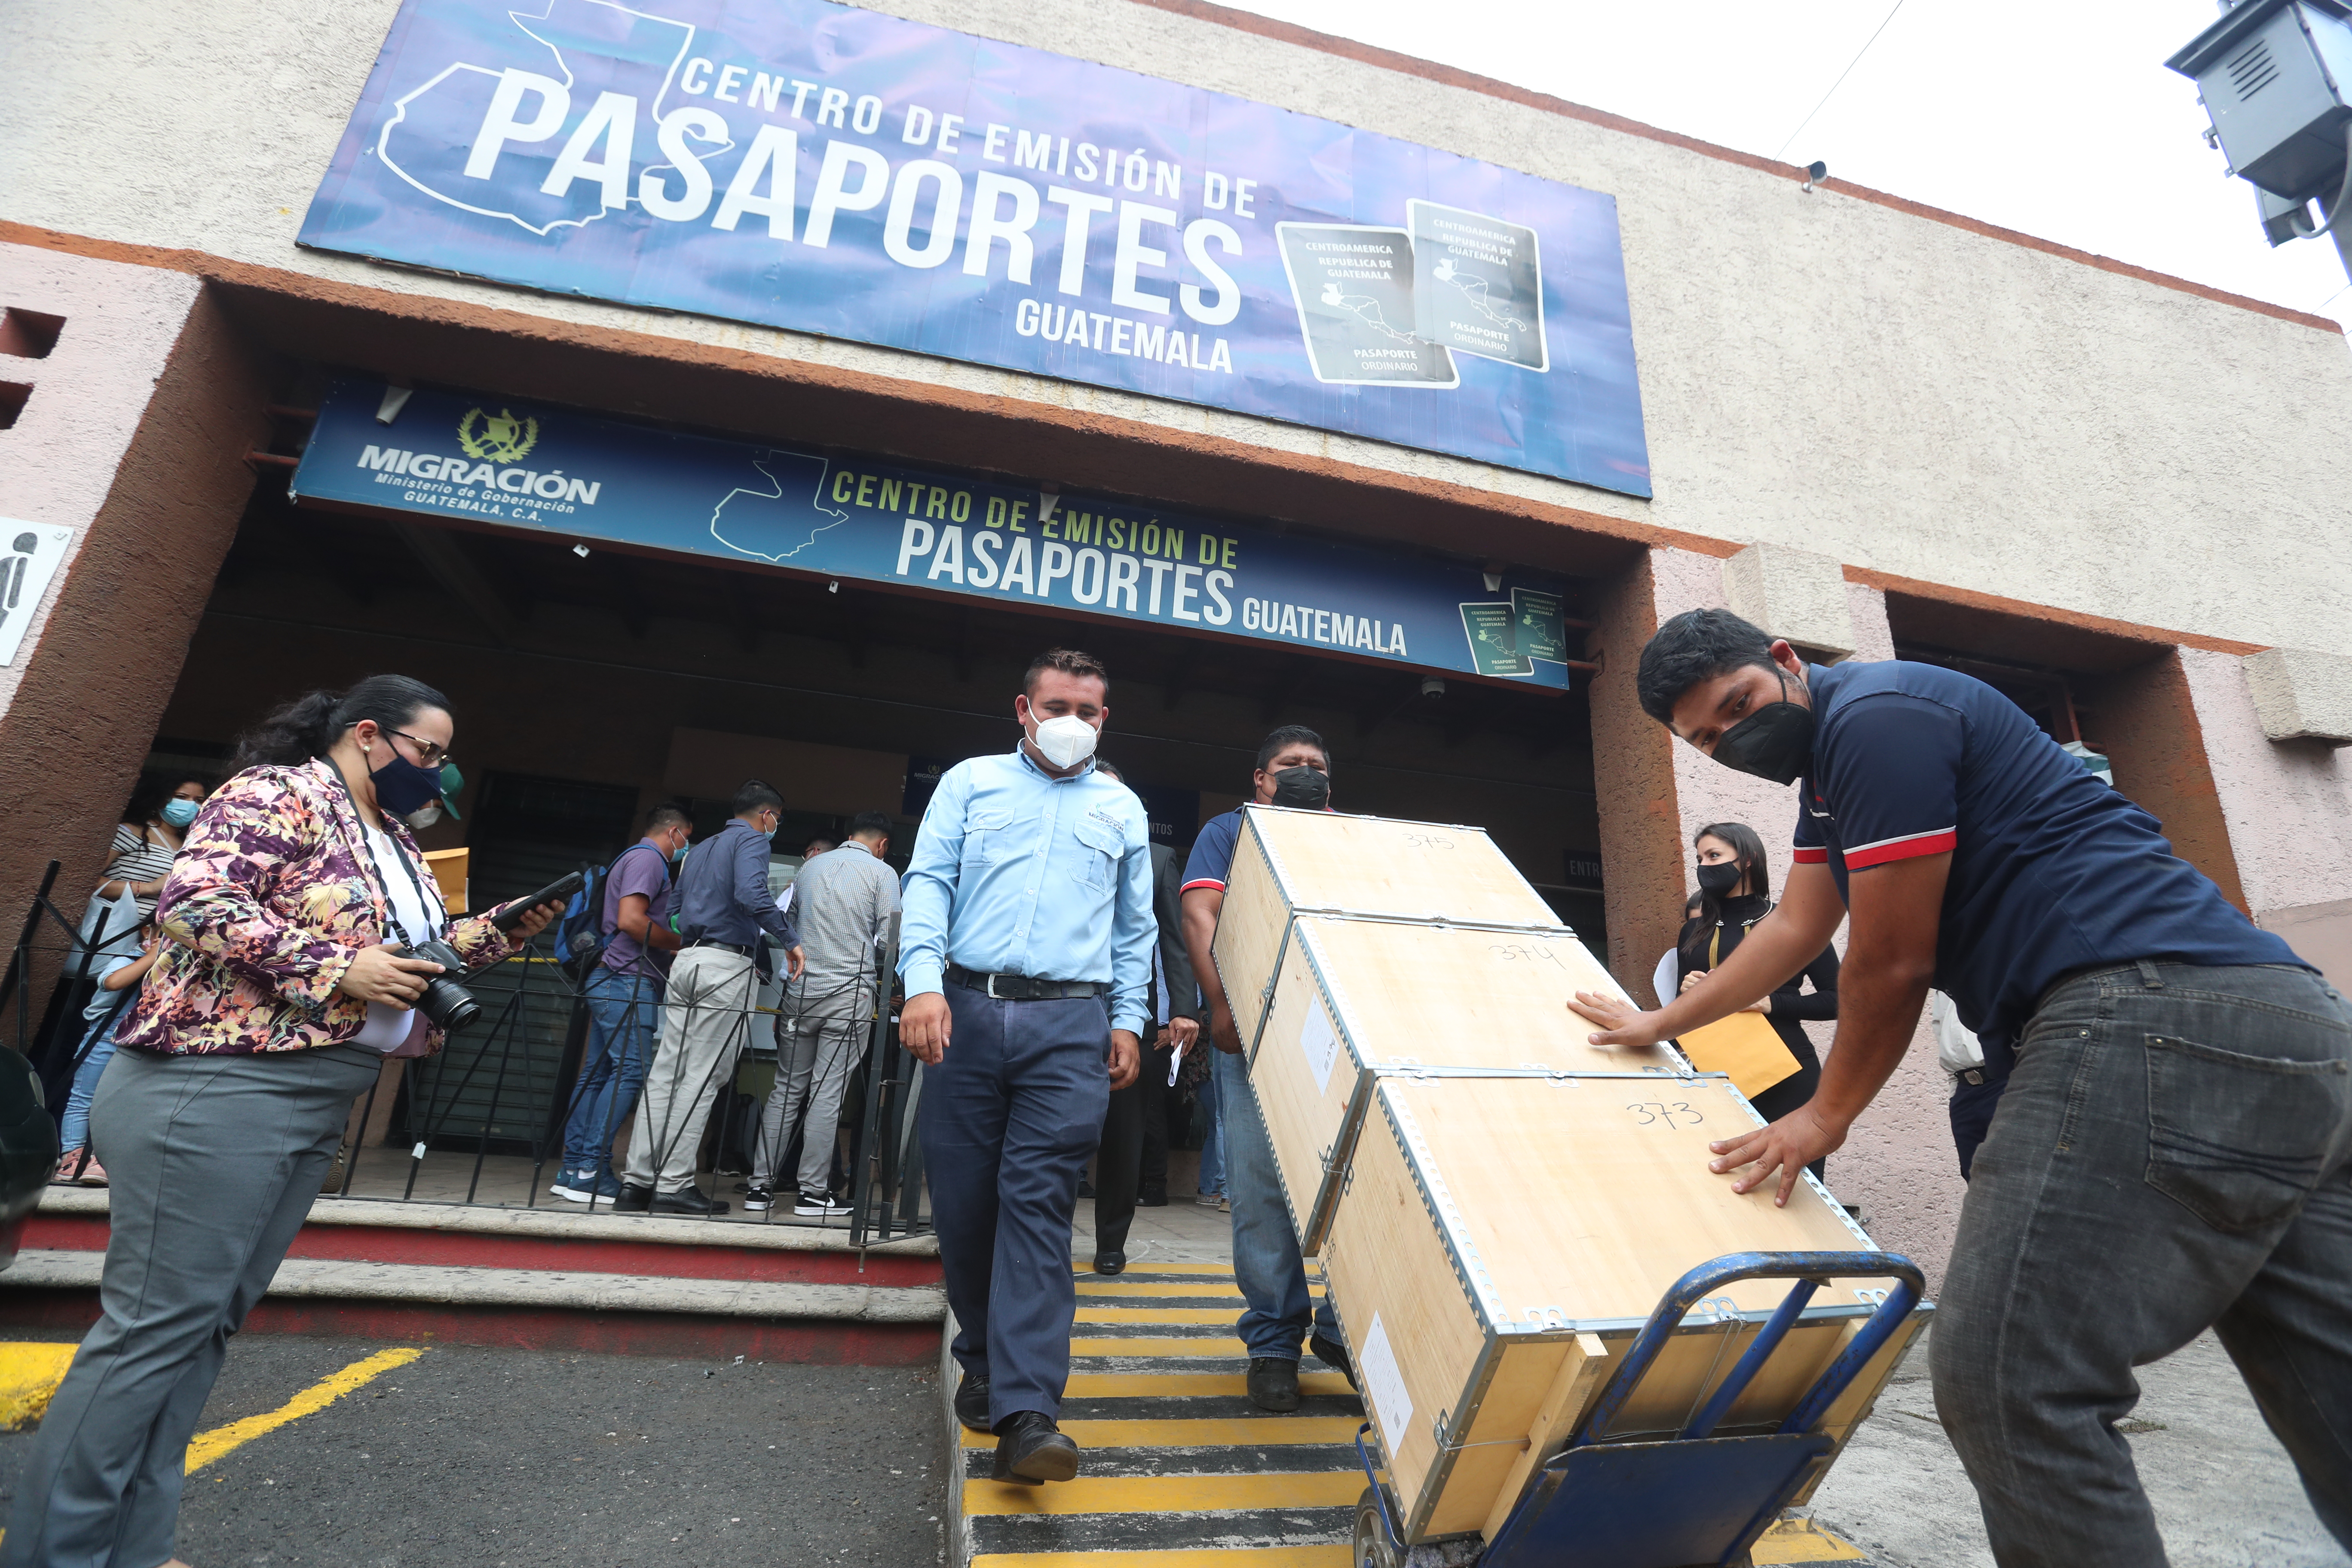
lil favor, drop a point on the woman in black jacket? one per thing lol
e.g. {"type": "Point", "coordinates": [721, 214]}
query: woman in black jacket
{"type": "Point", "coordinates": [1735, 888]}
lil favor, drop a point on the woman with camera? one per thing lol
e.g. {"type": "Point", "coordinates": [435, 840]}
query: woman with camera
{"type": "Point", "coordinates": [289, 906]}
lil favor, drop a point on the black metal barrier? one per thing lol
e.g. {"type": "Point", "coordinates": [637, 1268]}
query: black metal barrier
{"type": "Point", "coordinates": [484, 1120]}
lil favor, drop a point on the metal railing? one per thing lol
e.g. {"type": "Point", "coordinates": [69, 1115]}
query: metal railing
{"type": "Point", "coordinates": [485, 1121]}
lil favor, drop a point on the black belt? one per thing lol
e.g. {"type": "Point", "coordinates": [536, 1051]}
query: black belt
{"type": "Point", "coordinates": [740, 949]}
{"type": "Point", "coordinates": [1022, 987]}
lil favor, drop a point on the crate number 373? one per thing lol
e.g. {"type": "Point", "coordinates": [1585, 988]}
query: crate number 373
{"type": "Point", "coordinates": [1658, 1114]}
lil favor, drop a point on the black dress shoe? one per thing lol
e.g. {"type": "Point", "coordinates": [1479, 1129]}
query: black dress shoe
{"type": "Point", "coordinates": [1110, 1262]}
{"type": "Point", "coordinates": [1152, 1198]}
{"type": "Point", "coordinates": [1031, 1448]}
{"type": "Point", "coordinates": [1274, 1384]}
{"type": "Point", "coordinates": [971, 1403]}
{"type": "Point", "coordinates": [689, 1201]}
{"type": "Point", "coordinates": [633, 1200]}
{"type": "Point", "coordinates": [1333, 1355]}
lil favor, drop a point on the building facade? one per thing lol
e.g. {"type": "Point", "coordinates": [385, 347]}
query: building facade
{"type": "Point", "coordinates": [1877, 429]}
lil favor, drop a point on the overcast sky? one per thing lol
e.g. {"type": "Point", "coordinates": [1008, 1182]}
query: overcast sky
{"type": "Point", "coordinates": [2054, 117]}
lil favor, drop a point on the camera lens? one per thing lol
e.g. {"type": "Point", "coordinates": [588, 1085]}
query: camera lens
{"type": "Point", "coordinates": [448, 1005]}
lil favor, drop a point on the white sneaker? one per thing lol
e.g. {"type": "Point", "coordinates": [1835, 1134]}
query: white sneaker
{"type": "Point", "coordinates": [823, 1207]}
{"type": "Point", "coordinates": [584, 1193]}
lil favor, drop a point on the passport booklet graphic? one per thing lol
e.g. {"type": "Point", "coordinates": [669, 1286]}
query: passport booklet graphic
{"type": "Point", "coordinates": [1392, 307]}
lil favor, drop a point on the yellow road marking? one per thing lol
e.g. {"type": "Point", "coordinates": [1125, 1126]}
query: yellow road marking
{"type": "Point", "coordinates": [1221, 1270]}
{"type": "Point", "coordinates": [206, 1446]}
{"type": "Point", "coordinates": [30, 1374]}
{"type": "Point", "coordinates": [1241, 1432]}
{"type": "Point", "coordinates": [1201, 1557]}
{"type": "Point", "coordinates": [1800, 1541]}
{"type": "Point", "coordinates": [1155, 1314]}
{"type": "Point", "coordinates": [1165, 1494]}
{"type": "Point", "coordinates": [1184, 1385]}
{"type": "Point", "coordinates": [1204, 1347]}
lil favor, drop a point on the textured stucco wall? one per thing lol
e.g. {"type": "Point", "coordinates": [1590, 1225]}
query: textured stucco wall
{"type": "Point", "coordinates": [2286, 801]}
{"type": "Point", "coordinates": [60, 460]}
{"type": "Point", "coordinates": [1897, 1162]}
{"type": "Point", "coordinates": [134, 435]}
{"type": "Point", "coordinates": [1818, 370]}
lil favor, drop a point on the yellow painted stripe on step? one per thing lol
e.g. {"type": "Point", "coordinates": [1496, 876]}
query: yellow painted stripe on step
{"type": "Point", "coordinates": [206, 1446]}
{"type": "Point", "coordinates": [1207, 1347]}
{"type": "Point", "coordinates": [1139, 1265]}
{"type": "Point", "coordinates": [1197, 1557]}
{"type": "Point", "coordinates": [1241, 1432]}
{"type": "Point", "coordinates": [1188, 1287]}
{"type": "Point", "coordinates": [1164, 1494]}
{"type": "Point", "coordinates": [30, 1374]}
{"type": "Point", "coordinates": [1155, 1314]}
{"type": "Point", "coordinates": [1802, 1540]}
{"type": "Point", "coordinates": [1185, 1384]}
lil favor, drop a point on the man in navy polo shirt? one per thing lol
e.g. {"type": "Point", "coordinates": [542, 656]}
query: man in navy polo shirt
{"type": "Point", "coordinates": [2174, 1149]}
{"type": "Point", "coordinates": [1293, 769]}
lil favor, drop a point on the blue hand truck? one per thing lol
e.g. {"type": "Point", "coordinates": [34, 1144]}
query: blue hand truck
{"type": "Point", "coordinates": [1692, 1501]}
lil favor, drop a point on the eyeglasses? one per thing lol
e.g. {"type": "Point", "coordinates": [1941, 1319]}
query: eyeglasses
{"type": "Point", "coordinates": [428, 753]}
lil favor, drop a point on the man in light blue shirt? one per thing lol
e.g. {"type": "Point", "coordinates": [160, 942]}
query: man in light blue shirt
{"type": "Point", "coordinates": [1026, 950]}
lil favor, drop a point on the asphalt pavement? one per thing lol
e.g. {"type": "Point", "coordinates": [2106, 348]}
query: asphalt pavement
{"type": "Point", "coordinates": [511, 1459]}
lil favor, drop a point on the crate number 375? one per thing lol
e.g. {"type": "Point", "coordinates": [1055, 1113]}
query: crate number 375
{"type": "Point", "coordinates": [1658, 1114]}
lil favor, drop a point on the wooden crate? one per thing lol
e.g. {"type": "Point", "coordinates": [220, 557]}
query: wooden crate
{"type": "Point", "coordinates": [1288, 860]}
{"type": "Point", "coordinates": [1354, 998]}
{"type": "Point", "coordinates": [1501, 1241]}
{"type": "Point", "coordinates": [449, 870]}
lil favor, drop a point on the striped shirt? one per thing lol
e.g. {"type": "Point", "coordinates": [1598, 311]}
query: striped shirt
{"type": "Point", "coordinates": [136, 859]}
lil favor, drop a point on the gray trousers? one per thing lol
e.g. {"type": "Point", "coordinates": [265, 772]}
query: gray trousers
{"type": "Point", "coordinates": [212, 1163]}
{"type": "Point", "coordinates": [813, 1059]}
{"type": "Point", "coordinates": [2174, 1151]}
{"type": "Point", "coordinates": [706, 1023]}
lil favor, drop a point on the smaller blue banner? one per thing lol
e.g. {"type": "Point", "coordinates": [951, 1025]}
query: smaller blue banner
{"type": "Point", "coordinates": [514, 465]}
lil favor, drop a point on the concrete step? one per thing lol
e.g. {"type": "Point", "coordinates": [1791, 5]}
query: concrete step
{"type": "Point", "coordinates": [1179, 1469]}
{"type": "Point", "coordinates": [543, 1279]}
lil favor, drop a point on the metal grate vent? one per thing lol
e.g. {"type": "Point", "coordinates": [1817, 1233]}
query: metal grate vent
{"type": "Point", "coordinates": [2253, 70]}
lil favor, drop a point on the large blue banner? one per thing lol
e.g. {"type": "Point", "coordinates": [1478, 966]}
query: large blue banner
{"type": "Point", "coordinates": [804, 165]}
{"type": "Point", "coordinates": [512, 465]}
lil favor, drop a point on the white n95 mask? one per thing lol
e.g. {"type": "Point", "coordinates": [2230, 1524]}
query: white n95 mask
{"type": "Point", "coordinates": [1065, 742]}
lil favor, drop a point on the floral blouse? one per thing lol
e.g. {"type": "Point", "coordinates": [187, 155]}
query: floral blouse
{"type": "Point", "coordinates": [268, 901]}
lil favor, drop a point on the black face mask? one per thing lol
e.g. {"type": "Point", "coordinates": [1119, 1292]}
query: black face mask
{"type": "Point", "coordinates": [1308, 789]}
{"type": "Point", "coordinates": [401, 786]}
{"type": "Point", "coordinates": [1718, 880]}
{"type": "Point", "coordinates": [1774, 743]}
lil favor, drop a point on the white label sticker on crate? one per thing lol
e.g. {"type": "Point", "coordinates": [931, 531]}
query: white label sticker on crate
{"type": "Point", "coordinates": [1384, 1385]}
{"type": "Point", "coordinates": [1321, 1046]}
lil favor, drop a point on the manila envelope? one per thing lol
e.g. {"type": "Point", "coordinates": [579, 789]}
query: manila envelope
{"type": "Point", "coordinates": [1743, 1045]}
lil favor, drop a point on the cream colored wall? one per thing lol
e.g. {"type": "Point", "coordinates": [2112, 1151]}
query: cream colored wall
{"type": "Point", "coordinates": [1817, 370]}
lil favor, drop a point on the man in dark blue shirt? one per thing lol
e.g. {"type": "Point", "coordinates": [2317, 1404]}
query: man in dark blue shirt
{"type": "Point", "coordinates": [2174, 1149]}
{"type": "Point", "coordinates": [1293, 769]}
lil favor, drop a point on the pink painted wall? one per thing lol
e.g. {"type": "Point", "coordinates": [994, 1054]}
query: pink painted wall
{"type": "Point", "coordinates": [2288, 806]}
{"type": "Point", "coordinates": [1898, 1163]}
{"type": "Point", "coordinates": [59, 462]}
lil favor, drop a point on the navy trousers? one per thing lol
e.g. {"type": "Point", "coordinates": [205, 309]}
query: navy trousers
{"type": "Point", "coordinates": [1007, 1119]}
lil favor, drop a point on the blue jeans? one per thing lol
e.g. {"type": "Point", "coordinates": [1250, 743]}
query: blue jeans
{"type": "Point", "coordinates": [624, 1016]}
{"type": "Point", "coordinates": [1266, 1265]}
{"type": "Point", "coordinates": [2173, 1152]}
{"type": "Point", "coordinates": [1212, 1135]}
{"type": "Point", "coordinates": [74, 1131]}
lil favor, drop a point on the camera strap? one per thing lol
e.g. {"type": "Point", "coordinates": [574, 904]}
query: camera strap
{"type": "Point", "coordinates": [430, 903]}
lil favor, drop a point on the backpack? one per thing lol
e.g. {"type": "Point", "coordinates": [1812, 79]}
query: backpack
{"type": "Point", "coordinates": [580, 934]}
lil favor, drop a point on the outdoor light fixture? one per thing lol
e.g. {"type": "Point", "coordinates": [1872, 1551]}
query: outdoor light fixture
{"type": "Point", "coordinates": [1815, 172]}
{"type": "Point", "coordinates": [1432, 687]}
{"type": "Point", "coordinates": [2275, 78]}
{"type": "Point", "coordinates": [581, 551]}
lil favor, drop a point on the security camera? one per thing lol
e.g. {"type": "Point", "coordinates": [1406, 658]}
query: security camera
{"type": "Point", "coordinates": [1432, 688]}
{"type": "Point", "coordinates": [1816, 174]}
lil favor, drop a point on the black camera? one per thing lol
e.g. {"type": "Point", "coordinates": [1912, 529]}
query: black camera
{"type": "Point", "coordinates": [449, 1005]}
